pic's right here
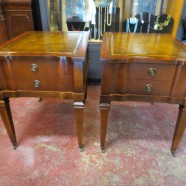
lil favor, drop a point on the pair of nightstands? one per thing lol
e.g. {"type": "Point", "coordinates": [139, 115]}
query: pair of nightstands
{"type": "Point", "coordinates": [135, 67]}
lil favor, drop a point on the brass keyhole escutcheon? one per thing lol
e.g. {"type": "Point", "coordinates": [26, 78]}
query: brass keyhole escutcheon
{"type": "Point", "coordinates": [37, 83]}
{"type": "Point", "coordinates": [149, 88]}
{"type": "Point", "coordinates": [152, 72]}
{"type": "Point", "coordinates": [34, 67]}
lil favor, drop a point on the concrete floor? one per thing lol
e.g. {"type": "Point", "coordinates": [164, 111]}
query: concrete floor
{"type": "Point", "coordinates": [138, 144]}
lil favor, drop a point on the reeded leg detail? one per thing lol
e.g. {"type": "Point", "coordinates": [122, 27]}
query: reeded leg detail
{"type": "Point", "coordinates": [8, 121]}
{"type": "Point", "coordinates": [104, 111]}
{"type": "Point", "coordinates": [179, 129]}
{"type": "Point", "coordinates": [79, 113]}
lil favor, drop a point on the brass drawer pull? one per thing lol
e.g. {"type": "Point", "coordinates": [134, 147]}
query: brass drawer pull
{"type": "Point", "coordinates": [34, 67]}
{"type": "Point", "coordinates": [149, 88]}
{"type": "Point", "coordinates": [152, 72]}
{"type": "Point", "coordinates": [37, 83]}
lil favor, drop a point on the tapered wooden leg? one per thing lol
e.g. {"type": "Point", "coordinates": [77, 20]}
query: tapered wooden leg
{"type": "Point", "coordinates": [79, 112]}
{"type": "Point", "coordinates": [104, 111]}
{"type": "Point", "coordinates": [179, 129]}
{"type": "Point", "coordinates": [7, 119]}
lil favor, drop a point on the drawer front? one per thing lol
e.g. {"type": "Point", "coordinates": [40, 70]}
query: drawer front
{"type": "Point", "coordinates": [159, 88]}
{"type": "Point", "coordinates": [137, 78]}
{"type": "Point", "coordinates": [140, 87]}
{"type": "Point", "coordinates": [139, 71]}
{"type": "Point", "coordinates": [151, 71]}
{"type": "Point", "coordinates": [32, 74]}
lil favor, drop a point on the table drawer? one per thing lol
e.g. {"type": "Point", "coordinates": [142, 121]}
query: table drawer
{"type": "Point", "coordinates": [145, 87]}
{"type": "Point", "coordinates": [30, 74]}
{"type": "Point", "coordinates": [140, 71]}
{"type": "Point", "coordinates": [161, 72]}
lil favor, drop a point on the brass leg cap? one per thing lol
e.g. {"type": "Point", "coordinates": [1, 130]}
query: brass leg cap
{"type": "Point", "coordinates": [102, 149]}
{"type": "Point", "coordinates": [81, 149]}
{"type": "Point", "coordinates": [14, 147]}
{"type": "Point", "coordinates": [173, 153]}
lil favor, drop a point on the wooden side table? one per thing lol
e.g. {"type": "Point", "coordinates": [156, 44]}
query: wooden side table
{"type": "Point", "coordinates": [44, 64]}
{"type": "Point", "coordinates": [143, 67]}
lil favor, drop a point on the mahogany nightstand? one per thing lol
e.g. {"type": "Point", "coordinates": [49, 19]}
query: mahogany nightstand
{"type": "Point", "coordinates": [143, 67]}
{"type": "Point", "coordinates": [44, 64]}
